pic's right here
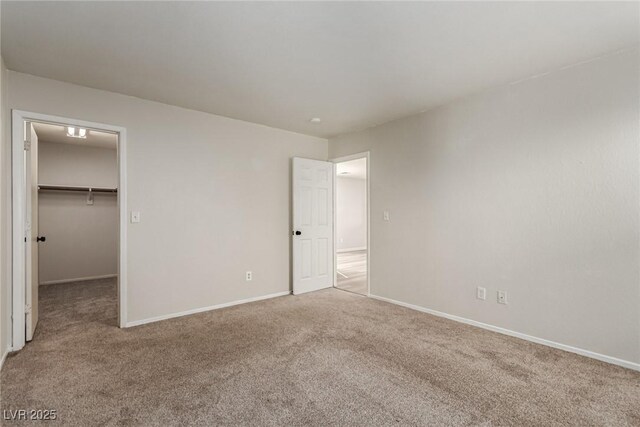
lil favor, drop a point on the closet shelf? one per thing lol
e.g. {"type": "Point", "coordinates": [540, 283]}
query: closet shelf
{"type": "Point", "coordinates": [42, 187]}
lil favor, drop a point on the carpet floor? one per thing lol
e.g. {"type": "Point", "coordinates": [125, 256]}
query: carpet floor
{"type": "Point", "coordinates": [324, 358]}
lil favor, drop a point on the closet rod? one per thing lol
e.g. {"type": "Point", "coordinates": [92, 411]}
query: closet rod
{"type": "Point", "coordinates": [72, 188]}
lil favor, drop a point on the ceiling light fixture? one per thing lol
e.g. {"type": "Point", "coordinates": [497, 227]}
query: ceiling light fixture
{"type": "Point", "coordinates": [81, 133]}
{"type": "Point", "coordinates": [315, 120]}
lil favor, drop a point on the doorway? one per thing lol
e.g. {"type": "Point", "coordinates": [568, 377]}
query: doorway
{"type": "Point", "coordinates": [69, 218]}
{"type": "Point", "coordinates": [352, 223]}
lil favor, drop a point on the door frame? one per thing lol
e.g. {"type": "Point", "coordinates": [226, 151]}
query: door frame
{"type": "Point", "coordinates": [361, 155]}
{"type": "Point", "coordinates": [18, 195]}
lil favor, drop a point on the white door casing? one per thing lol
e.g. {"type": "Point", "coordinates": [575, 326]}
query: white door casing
{"type": "Point", "coordinates": [312, 225]}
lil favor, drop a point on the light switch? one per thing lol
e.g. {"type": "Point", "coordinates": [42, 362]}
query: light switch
{"type": "Point", "coordinates": [385, 215]}
{"type": "Point", "coordinates": [135, 217]}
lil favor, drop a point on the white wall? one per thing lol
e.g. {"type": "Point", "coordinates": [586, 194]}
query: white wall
{"type": "Point", "coordinates": [81, 239]}
{"type": "Point", "coordinates": [351, 213]}
{"type": "Point", "coordinates": [213, 192]}
{"type": "Point", "coordinates": [531, 188]}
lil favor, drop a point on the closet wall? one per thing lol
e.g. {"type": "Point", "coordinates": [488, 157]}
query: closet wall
{"type": "Point", "coordinates": [81, 238]}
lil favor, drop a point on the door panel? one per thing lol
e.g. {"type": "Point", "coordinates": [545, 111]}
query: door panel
{"type": "Point", "coordinates": [31, 227]}
{"type": "Point", "coordinates": [323, 256]}
{"type": "Point", "coordinates": [313, 218]}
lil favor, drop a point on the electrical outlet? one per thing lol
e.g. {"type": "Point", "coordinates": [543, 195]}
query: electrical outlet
{"type": "Point", "coordinates": [502, 297]}
{"type": "Point", "coordinates": [481, 293]}
{"type": "Point", "coordinates": [249, 276]}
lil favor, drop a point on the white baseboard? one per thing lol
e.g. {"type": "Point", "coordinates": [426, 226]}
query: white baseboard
{"type": "Point", "coordinates": [78, 279]}
{"type": "Point", "coordinates": [603, 358]}
{"type": "Point", "coordinates": [363, 248]}
{"type": "Point", "coordinates": [203, 309]}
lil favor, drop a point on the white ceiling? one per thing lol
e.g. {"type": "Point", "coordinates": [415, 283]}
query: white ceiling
{"type": "Point", "coordinates": [56, 133]}
{"type": "Point", "coordinates": [352, 64]}
{"type": "Point", "coordinates": [352, 169]}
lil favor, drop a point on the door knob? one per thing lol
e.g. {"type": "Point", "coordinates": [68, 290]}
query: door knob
{"type": "Point", "coordinates": [297, 233]}
{"type": "Point", "coordinates": [41, 239]}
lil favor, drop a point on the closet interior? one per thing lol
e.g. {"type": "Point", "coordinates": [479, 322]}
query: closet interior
{"type": "Point", "coordinates": [77, 210]}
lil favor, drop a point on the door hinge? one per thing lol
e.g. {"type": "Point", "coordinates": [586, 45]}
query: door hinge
{"type": "Point", "coordinates": [27, 146]}
{"type": "Point", "coordinates": [27, 309]}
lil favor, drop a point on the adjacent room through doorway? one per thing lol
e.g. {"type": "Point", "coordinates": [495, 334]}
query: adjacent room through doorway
{"type": "Point", "coordinates": [351, 226]}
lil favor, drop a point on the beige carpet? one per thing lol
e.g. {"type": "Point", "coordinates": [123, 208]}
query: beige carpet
{"type": "Point", "coordinates": [325, 358]}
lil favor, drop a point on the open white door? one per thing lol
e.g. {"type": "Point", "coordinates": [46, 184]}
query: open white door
{"type": "Point", "coordinates": [31, 230]}
{"type": "Point", "coordinates": [312, 225]}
